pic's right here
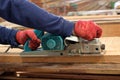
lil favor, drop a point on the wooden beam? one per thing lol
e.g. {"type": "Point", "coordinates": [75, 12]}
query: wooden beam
{"type": "Point", "coordinates": [16, 58]}
{"type": "Point", "coordinates": [17, 78]}
{"type": "Point", "coordinates": [111, 55]}
{"type": "Point", "coordinates": [110, 29]}
{"type": "Point", "coordinates": [71, 76]}
{"type": "Point", "coordinates": [98, 18]}
{"type": "Point", "coordinates": [62, 68]}
{"type": "Point", "coordinates": [109, 63]}
{"type": "Point", "coordinates": [42, 76]}
{"type": "Point", "coordinates": [28, 71]}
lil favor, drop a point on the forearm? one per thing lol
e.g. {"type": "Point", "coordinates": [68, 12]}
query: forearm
{"type": "Point", "coordinates": [7, 36]}
{"type": "Point", "coordinates": [28, 14]}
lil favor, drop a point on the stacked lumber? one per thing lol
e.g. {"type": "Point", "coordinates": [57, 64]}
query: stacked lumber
{"type": "Point", "coordinates": [89, 67]}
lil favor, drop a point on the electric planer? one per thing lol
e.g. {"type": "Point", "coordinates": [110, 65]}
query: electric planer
{"type": "Point", "coordinates": [57, 45]}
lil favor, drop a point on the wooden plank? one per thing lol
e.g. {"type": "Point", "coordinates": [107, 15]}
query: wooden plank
{"type": "Point", "coordinates": [3, 48]}
{"type": "Point", "coordinates": [71, 76]}
{"type": "Point", "coordinates": [5, 58]}
{"type": "Point", "coordinates": [62, 68]}
{"type": "Point", "coordinates": [110, 29]}
{"type": "Point", "coordinates": [13, 76]}
{"type": "Point", "coordinates": [112, 55]}
{"type": "Point", "coordinates": [42, 76]}
{"type": "Point", "coordinates": [98, 17]}
{"type": "Point", "coordinates": [16, 78]}
{"type": "Point", "coordinates": [65, 71]}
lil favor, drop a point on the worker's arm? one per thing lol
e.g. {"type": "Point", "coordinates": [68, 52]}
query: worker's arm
{"type": "Point", "coordinates": [28, 14]}
{"type": "Point", "coordinates": [15, 37]}
{"type": "Point", "coordinates": [7, 36]}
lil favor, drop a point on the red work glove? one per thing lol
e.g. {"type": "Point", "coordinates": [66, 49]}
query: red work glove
{"type": "Point", "coordinates": [23, 36]}
{"type": "Point", "coordinates": [87, 30]}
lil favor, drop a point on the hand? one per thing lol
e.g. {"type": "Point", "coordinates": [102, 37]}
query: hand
{"type": "Point", "coordinates": [87, 30]}
{"type": "Point", "coordinates": [23, 36]}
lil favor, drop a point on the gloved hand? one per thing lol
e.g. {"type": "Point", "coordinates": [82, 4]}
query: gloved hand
{"type": "Point", "coordinates": [23, 36]}
{"type": "Point", "coordinates": [87, 30]}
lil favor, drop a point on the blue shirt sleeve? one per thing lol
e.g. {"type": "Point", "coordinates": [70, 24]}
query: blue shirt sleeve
{"type": "Point", "coordinates": [25, 13]}
{"type": "Point", "coordinates": [28, 14]}
{"type": "Point", "coordinates": [7, 36]}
